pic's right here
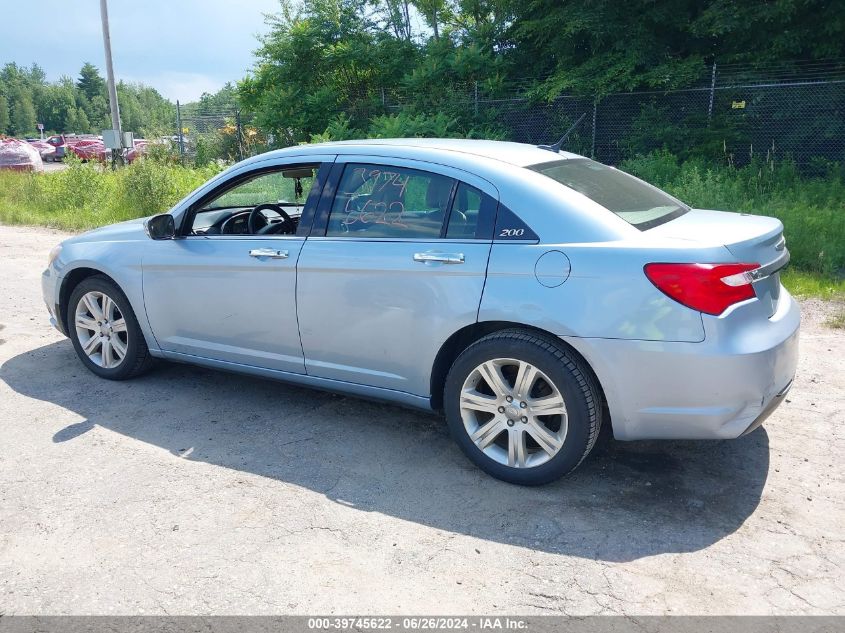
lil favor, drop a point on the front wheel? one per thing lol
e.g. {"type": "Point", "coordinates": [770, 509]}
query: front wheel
{"type": "Point", "coordinates": [104, 330]}
{"type": "Point", "coordinates": [523, 408]}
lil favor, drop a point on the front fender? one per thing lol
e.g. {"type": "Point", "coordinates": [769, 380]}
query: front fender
{"type": "Point", "coordinates": [120, 261]}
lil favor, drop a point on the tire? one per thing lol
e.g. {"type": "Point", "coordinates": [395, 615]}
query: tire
{"type": "Point", "coordinates": [83, 323]}
{"type": "Point", "coordinates": [535, 443]}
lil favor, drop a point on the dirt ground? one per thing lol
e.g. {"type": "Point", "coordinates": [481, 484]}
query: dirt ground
{"type": "Point", "coordinates": [189, 491]}
{"type": "Point", "coordinates": [50, 166]}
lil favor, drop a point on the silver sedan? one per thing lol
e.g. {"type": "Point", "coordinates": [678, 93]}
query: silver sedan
{"type": "Point", "coordinates": [530, 295]}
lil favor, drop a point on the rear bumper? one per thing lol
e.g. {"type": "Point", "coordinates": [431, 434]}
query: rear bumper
{"type": "Point", "coordinates": [720, 388]}
{"type": "Point", "coordinates": [774, 403]}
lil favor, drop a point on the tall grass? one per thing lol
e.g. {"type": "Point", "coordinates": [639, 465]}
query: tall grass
{"type": "Point", "coordinates": [812, 209]}
{"type": "Point", "coordinates": [85, 195]}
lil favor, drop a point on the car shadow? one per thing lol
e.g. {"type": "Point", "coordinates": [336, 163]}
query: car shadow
{"type": "Point", "coordinates": [626, 501]}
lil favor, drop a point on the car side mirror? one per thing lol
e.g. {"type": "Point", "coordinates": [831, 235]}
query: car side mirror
{"type": "Point", "coordinates": [161, 227]}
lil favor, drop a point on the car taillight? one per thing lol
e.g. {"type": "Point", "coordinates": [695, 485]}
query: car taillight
{"type": "Point", "coordinates": [710, 288]}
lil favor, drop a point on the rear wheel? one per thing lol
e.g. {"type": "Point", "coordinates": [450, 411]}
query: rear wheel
{"type": "Point", "coordinates": [521, 407]}
{"type": "Point", "coordinates": [104, 330]}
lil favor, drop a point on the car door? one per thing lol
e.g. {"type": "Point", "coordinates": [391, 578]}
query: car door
{"type": "Point", "coordinates": [395, 264]}
{"type": "Point", "coordinates": [231, 296]}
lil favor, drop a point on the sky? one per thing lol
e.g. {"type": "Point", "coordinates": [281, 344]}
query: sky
{"type": "Point", "coordinates": [181, 48]}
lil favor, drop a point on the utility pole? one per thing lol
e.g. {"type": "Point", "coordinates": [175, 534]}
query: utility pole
{"type": "Point", "coordinates": [115, 110]}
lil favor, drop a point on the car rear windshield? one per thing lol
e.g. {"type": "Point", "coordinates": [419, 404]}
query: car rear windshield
{"type": "Point", "coordinates": [639, 204]}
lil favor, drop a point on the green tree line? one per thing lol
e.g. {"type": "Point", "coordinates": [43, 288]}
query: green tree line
{"type": "Point", "coordinates": [338, 68]}
{"type": "Point", "coordinates": [75, 106]}
{"type": "Point", "coordinates": [328, 68]}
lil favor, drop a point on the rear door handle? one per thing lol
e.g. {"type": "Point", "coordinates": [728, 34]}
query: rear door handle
{"type": "Point", "coordinates": [269, 253]}
{"type": "Point", "coordinates": [443, 258]}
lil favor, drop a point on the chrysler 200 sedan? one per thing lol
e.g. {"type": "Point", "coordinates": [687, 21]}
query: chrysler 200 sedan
{"type": "Point", "coordinates": [530, 295]}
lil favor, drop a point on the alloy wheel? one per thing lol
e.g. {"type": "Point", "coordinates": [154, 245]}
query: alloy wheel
{"type": "Point", "coordinates": [101, 329]}
{"type": "Point", "coordinates": [513, 413]}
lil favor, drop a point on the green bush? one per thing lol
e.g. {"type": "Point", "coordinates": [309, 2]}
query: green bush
{"type": "Point", "coordinates": [86, 195]}
{"type": "Point", "coordinates": [209, 148]}
{"type": "Point", "coordinates": [405, 125]}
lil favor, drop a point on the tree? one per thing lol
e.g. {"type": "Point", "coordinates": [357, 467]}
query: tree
{"type": "Point", "coordinates": [144, 111]}
{"type": "Point", "coordinates": [224, 101]}
{"type": "Point", "coordinates": [58, 99]}
{"type": "Point", "coordinates": [437, 13]}
{"type": "Point", "coordinates": [326, 57]}
{"type": "Point", "coordinates": [76, 121]}
{"type": "Point", "coordinates": [98, 113]}
{"type": "Point", "coordinates": [4, 114]}
{"type": "Point", "coordinates": [90, 83]}
{"type": "Point", "coordinates": [602, 46]}
{"type": "Point", "coordinates": [22, 114]}
{"type": "Point", "coordinates": [397, 17]}
{"type": "Point", "coordinates": [84, 124]}
{"type": "Point", "coordinates": [76, 106]}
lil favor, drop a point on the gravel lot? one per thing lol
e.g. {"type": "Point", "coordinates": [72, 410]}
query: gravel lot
{"type": "Point", "coordinates": [189, 491]}
{"type": "Point", "coordinates": [50, 166]}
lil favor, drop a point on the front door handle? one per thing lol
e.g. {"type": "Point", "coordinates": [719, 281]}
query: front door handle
{"type": "Point", "coordinates": [442, 258]}
{"type": "Point", "coordinates": [269, 253]}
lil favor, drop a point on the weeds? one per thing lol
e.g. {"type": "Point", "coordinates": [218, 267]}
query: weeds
{"type": "Point", "coordinates": [837, 321]}
{"type": "Point", "coordinates": [85, 195]}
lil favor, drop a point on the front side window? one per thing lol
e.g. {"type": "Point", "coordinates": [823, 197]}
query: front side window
{"type": "Point", "coordinates": [278, 196]}
{"type": "Point", "coordinates": [639, 204]}
{"type": "Point", "coordinates": [392, 202]}
{"type": "Point", "coordinates": [285, 187]}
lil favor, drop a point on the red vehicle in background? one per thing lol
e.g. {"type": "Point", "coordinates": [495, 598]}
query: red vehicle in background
{"type": "Point", "coordinates": [18, 155]}
{"type": "Point", "coordinates": [90, 147]}
{"type": "Point", "coordinates": [47, 151]}
{"type": "Point", "coordinates": [141, 146]}
{"type": "Point", "coordinates": [58, 142]}
{"type": "Point", "coordinates": [66, 143]}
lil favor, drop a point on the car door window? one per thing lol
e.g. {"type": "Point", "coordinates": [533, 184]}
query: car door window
{"type": "Point", "coordinates": [472, 216]}
{"type": "Point", "coordinates": [227, 213]}
{"type": "Point", "coordinates": [390, 202]}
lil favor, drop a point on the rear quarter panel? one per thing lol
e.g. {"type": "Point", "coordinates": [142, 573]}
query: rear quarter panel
{"type": "Point", "coordinates": [605, 295]}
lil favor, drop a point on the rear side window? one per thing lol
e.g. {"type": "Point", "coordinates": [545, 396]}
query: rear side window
{"type": "Point", "coordinates": [384, 201]}
{"type": "Point", "coordinates": [472, 216]}
{"type": "Point", "coordinates": [634, 201]}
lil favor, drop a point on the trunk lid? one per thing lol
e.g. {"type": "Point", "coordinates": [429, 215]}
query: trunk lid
{"type": "Point", "coordinates": [749, 238]}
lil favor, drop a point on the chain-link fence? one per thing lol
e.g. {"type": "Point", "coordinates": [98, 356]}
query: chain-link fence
{"type": "Point", "coordinates": [733, 117]}
{"type": "Point", "coordinates": [202, 137]}
{"type": "Point", "coordinates": [802, 120]}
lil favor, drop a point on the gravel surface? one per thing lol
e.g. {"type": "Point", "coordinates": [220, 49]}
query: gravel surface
{"type": "Point", "coordinates": [190, 491]}
{"type": "Point", "coordinates": [51, 167]}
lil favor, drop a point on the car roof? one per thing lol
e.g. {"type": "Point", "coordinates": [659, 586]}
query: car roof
{"type": "Point", "coordinates": [517, 154]}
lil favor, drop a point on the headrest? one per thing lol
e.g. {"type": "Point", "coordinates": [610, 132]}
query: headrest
{"type": "Point", "coordinates": [437, 194]}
